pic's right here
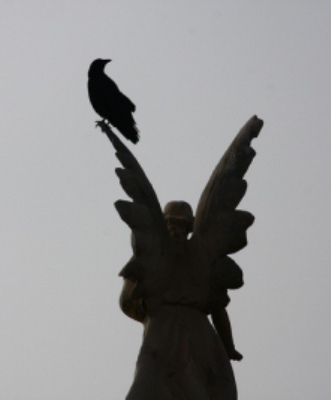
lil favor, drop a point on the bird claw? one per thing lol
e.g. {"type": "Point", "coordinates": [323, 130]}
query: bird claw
{"type": "Point", "coordinates": [105, 128]}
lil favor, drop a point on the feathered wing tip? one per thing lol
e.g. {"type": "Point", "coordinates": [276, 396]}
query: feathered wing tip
{"type": "Point", "coordinates": [219, 225]}
{"type": "Point", "coordinates": [143, 214]}
{"type": "Point", "coordinates": [217, 216]}
{"type": "Point", "coordinates": [132, 134]}
{"type": "Point", "coordinates": [129, 130]}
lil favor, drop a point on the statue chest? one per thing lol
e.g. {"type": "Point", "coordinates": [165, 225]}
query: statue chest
{"type": "Point", "coordinates": [188, 279]}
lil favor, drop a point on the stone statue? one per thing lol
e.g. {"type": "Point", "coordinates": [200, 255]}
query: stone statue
{"type": "Point", "coordinates": [180, 273]}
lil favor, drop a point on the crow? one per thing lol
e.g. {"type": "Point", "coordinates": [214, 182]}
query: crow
{"type": "Point", "coordinates": [109, 102]}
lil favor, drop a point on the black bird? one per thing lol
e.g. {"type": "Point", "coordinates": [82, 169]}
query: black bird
{"type": "Point", "coordinates": [109, 102]}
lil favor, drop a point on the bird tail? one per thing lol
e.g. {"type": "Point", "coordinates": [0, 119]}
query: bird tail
{"type": "Point", "coordinates": [129, 130]}
{"type": "Point", "coordinates": [131, 133]}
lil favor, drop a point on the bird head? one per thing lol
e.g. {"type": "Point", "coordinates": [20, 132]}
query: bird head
{"type": "Point", "coordinates": [97, 66]}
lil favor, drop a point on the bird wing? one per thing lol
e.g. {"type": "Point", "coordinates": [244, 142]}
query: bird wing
{"type": "Point", "coordinates": [116, 97]}
{"type": "Point", "coordinates": [145, 218]}
{"type": "Point", "coordinates": [219, 226]}
{"type": "Point", "coordinates": [127, 103]}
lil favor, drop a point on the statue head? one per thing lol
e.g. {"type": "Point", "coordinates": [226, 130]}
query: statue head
{"type": "Point", "coordinates": [179, 218]}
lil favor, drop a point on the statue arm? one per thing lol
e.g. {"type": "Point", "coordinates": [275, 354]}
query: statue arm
{"type": "Point", "coordinates": [222, 324]}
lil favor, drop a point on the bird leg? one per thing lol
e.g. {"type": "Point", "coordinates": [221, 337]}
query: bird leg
{"type": "Point", "coordinates": [104, 126]}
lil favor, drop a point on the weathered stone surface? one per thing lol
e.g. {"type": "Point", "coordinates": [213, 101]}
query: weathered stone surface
{"type": "Point", "coordinates": [173, 281]}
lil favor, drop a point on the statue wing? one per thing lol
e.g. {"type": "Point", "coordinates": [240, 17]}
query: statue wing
{"type": "Point", "coordinates": [143, 215]}
{"type": "Point", "coordinates": [218, 224]}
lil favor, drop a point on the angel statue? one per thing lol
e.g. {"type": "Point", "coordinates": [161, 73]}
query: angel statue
{"type": "Point", "coordinates": [179, 275]}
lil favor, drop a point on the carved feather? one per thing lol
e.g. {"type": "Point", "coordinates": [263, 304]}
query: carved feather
{"type": "Point", "coordinates": [143, 215]}
{"type": "Point", "coordinates": [218, 224]}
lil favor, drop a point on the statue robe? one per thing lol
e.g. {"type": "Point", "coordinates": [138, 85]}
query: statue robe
{"type": "Point", "coordinates": [182, 356]}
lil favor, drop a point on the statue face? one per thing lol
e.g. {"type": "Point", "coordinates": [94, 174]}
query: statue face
{"type": "Point", "coordinates": [178, 227]}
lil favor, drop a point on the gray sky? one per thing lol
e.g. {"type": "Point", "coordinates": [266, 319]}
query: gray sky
{"type": "Point", "coordinates": [197, 71]}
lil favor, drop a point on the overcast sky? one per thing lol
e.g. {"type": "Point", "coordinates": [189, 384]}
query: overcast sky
{"type": "Point", "coordinates": [197, 71]}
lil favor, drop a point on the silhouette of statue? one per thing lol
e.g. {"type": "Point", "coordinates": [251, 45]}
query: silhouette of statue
{"type": "Point", "coordinates": [173, 281]}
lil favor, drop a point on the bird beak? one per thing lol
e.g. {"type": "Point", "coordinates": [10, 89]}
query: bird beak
{"type": "Point", "coordinates": [107, 61]}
